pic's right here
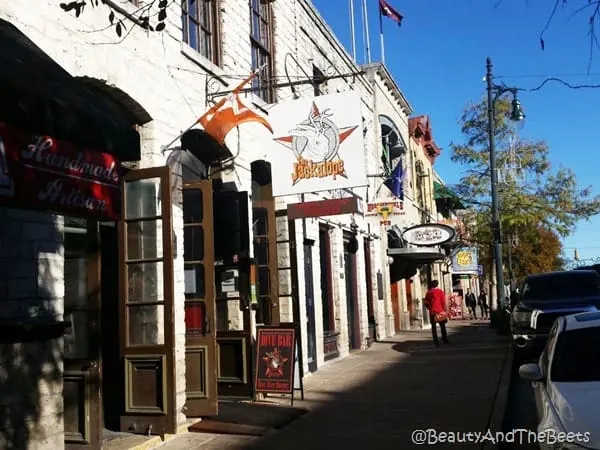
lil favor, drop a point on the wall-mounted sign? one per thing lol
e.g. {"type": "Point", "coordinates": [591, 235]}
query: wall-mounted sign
{"type": "Point", "coordinates": [464, 261]}
{"type": "Point", "coordinates": [318, 144]}
{"type": "Point", "coordinates": [41, 172]}
{"type": "Point", "coordinates": [428, 234]}
{"type": "Point", "coordinates": [275, 356]}
{"type": "Point", "coordinates": [384, 210]}
{"type": "Point", "coordinates": [321, 208]}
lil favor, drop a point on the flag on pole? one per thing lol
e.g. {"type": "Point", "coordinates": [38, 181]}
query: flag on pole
{"type": "Point", "coordinates": [386, 10]}
{"type": "Point", "coordinates": [395, 183]}
{"type": "Point", "coordinates": [230, 112]}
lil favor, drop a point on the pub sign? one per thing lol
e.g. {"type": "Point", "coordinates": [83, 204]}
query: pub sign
{"type": "Point", "coordinates": [275, 356]}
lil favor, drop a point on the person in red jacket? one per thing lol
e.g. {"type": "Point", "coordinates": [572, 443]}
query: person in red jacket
{"type": "Point", "coordinates": [435, 301]}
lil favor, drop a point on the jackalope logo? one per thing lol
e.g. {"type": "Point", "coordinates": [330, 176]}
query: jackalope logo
{"type": "Point", "coordinates": [7, 187]}
{"type": "Point", "coordinates": [316, 143]}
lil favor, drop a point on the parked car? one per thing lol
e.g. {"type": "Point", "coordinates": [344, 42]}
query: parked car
{"type": "Point", "coordinates": [545, 297]}
{"type": "Point", "coordinates": [566, 381]}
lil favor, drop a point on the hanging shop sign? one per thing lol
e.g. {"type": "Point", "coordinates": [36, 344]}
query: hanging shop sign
{"type": "Point", "coordinates": [464, 261]}
{"type": "Point", "coordinates": [42, 172]}
{"type": "Point", "coordinates": [322, 208]}
{"type": "Point", "coordinates": [428, 234]}
{"type": "Point", "coordinates": [384, 210]}
{"type": "Point", "coordinates": [318, 144]}
{"type": "Point", "coordinates": [275, 356]}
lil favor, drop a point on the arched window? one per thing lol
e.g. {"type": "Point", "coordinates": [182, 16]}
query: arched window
{"type": "Point", "coordinates": [391, 137]}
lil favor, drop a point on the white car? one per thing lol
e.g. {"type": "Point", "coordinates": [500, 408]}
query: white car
{"type": "Point", "coordinates": [566, 382]}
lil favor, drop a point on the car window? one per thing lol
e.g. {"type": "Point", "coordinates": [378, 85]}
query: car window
{"type": "Point", "coordinates": [545, 357]}
{"type": "Point", "coordinates": [577, 356]}
{"type": "Point", "coordinates": [575, 284]}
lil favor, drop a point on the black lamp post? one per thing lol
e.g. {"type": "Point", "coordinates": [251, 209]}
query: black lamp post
{"type": "Point", "coordinates": [493, 94]}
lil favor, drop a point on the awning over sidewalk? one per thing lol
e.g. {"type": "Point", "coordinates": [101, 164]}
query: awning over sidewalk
{"type": "Point", "coordinates": [444, 194]}
{"type": "Point", "coordinates": [39, 96]}
{"type": "Point", "coordinates": [417, 255]}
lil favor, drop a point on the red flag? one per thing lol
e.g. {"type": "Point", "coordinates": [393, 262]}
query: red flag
{"type": "Point", "coordinates": [386, 10]}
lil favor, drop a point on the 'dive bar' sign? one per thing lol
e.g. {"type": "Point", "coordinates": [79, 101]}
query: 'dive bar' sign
{"type": "Point", "coordinates": [275, 355]}
{"type": "Point", "coordinates": [41, 172]}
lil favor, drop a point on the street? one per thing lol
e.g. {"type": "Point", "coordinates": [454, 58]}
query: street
{"type": "Point", "coordinates": [382, 396]}
{"type": "Point", "coordinates": [520, 409]}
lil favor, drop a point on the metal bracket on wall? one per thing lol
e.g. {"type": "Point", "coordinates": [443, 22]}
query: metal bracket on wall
{"type": "Point", "coordinates": [215, 84]}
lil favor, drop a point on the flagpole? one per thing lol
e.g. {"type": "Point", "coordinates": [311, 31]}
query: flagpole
{"type": "Point", "coordinates": [352, 30]}
{"type": "Point", "coordinates": [367, 44]}
{"type": "Point", "coordinates": [381, 36]}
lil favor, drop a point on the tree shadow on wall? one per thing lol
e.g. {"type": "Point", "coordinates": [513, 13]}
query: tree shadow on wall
{"type": "Point", "coordinates": [31, 350]}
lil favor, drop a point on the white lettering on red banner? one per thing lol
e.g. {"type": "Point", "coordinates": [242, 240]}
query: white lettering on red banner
{"type": "Point", "coordinates": [50, 174]}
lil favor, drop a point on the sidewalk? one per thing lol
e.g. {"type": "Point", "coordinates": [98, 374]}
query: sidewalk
{"type": "Point", "coordinates": [378, 397]}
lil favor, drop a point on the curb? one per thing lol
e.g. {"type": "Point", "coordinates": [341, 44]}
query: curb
{"type": "Point", "coordinates": [157, 441]}
{"type": "Point", "coordinates": [495, 422]}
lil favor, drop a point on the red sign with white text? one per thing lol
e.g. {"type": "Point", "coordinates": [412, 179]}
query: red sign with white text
{"type": "Point", "coordinates": [41, 172]}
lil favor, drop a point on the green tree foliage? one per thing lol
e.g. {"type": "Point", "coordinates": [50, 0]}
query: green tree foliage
{"type": "Point", "coordinates": [537, 250]}
{"type": "Point", "coordinates": [536, 199]}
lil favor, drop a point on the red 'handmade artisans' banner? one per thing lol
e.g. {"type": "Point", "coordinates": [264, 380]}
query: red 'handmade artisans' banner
{"type": "Point", "coordinates": [275, 353]}
{"type": "Point", "coordinates": [41, 172]}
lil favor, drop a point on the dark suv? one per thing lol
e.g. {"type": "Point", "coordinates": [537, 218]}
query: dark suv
{"type": "Point", "coordinates": [544, 297]}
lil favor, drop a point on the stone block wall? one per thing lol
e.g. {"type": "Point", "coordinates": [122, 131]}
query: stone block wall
{"type": "Point", "coordinates": [31, 289]}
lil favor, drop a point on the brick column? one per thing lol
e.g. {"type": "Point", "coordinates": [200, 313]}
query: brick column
{"type": "Point", "coordinates": [32, 289]}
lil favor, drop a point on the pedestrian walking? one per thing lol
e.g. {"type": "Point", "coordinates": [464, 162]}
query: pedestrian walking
{"type": "Point", "coordinates": [435, 301]}
{"type": "Point", "coordinates": [471, 304]}
{"type": "Point", "coordinates": [483, 305]}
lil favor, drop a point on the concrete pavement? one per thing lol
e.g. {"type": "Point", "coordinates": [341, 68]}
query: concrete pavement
{"type": "Point", "coordinates": [379, 397]}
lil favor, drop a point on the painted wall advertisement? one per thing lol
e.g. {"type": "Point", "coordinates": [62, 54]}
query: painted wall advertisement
{"type": "Point", "coordinates": [464, 261]}
{"type": "Point", "coordinates": [317, 144]}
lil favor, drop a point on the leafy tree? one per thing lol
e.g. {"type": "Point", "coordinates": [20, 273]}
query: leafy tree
{"type": "Point", "coordinates": [150, 16]}
{"type": "Point", "coordinates": [534, 196]}
{"type": "Point", "coordinates": [537, 250]}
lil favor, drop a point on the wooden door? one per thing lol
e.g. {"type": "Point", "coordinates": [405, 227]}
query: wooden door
{"type": "Point", "coordinates": [200, 310]}
{"type": "Point", "coordinates": [146, 302]}
{"type": "Point", "coordinates": [232, 273]}
{"type": "Point", "coordinates": [396, 305]}
{"type": "Point", "coordinates": [409, 301]}
{"type": "Point", "coordinates": [370, 299]}
{"type": "Point", "coordinates": [309, 291]}
{"type": "Point", "coordinates": [265, 257]}
{"type": "Point", "coordinates": [81, 378]}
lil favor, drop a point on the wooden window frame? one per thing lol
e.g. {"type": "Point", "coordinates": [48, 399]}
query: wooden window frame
{"type": "Point", "coordinates": [262, 84]}
{"type": "Point", "coordinates": [212, 29]}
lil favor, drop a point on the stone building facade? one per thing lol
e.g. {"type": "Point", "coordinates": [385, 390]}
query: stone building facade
{"type": "Point", "coordinates": [166, 80]}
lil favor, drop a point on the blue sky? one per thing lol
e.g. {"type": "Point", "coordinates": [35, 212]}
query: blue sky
{"type": "Point", "coordinates": [438, 60]}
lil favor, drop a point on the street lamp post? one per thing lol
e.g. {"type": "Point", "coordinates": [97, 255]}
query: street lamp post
{"type": "Point", "coordinates": [493, 94]}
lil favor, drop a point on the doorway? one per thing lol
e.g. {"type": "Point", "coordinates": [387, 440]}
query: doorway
{"type": "Point", "coordinates": [370, 298]}
{"type": "Point", "coordinates": [396, 305]}
{"type": "Point", "coordinates": [409, 302]}
{"type": "Point", "coordinates": [232, 291]}
{"type": "Point", "coordinates": [311, 336]}
{"type": "Point", "coordinates": [350, 249]}
{"type": "Point", "coordinates": [112, 366]}
{"type": "Point", "coordinates": [81, 377]}
{"type": "Point", "coordinates": [264, 235]}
